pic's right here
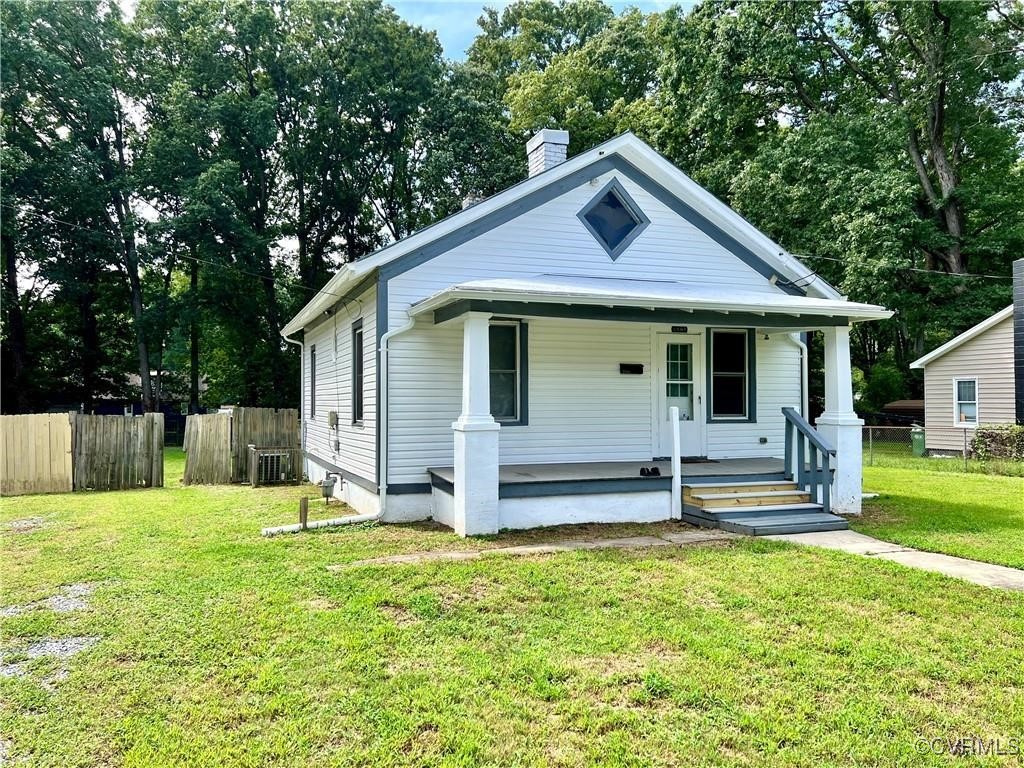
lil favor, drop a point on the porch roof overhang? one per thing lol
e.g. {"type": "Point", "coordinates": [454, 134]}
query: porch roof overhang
{"type": "Point", "coordinates": [664, 301]}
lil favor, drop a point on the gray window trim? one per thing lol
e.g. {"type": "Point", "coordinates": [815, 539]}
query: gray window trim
{"type": "Point", "coordinates": [358, 373]}
{"type": "Point", "coordinates": [523, 417]}
{"type": "Point", "coordinates": [751, 416]}
{"type": "Point", "coordinates": [312, 381]}
{"type": "Point", "coordinates": [615, 187]}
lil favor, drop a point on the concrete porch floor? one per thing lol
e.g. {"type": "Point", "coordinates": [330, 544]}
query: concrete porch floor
{"type": "Point", "coordinates": [621, 470]}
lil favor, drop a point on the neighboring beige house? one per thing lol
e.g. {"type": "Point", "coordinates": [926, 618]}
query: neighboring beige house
{"type": "Point", "coordinates": [969, 381]}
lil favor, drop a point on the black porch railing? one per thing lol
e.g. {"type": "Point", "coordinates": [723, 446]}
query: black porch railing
{"type": "Point", "coordinates": [808, 458]}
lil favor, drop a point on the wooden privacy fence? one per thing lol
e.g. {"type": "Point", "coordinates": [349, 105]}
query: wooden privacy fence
{"type": "Point", "coordinates": [60, 452]}
{"type": "Point", "coordinates": [36, 454]}
{"type": "Point", "coordinates": [217, 444]}
{"type": "Point", "coordinates": [113, 452]}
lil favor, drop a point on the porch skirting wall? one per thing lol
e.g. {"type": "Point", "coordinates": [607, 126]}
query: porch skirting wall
{"type": "Point", "coordinates": [401, 508]}
{"type": "Point", "coordinates": [581, 408]}
{"type": "Point", "coordinates": [540, 511]}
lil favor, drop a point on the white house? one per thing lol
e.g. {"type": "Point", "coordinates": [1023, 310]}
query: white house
{"type": "Point", "coordinates": [514, 364]}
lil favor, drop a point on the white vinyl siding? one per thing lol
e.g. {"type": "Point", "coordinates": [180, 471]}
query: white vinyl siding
{"type": "Point", "coordinates": [581, 407]}
{"type": "Point", "coordinates": [333, 340]}
{"type": "Point", "coordinates": [551, 240]}
{"type": "Point", "coordinates": [987, 359]}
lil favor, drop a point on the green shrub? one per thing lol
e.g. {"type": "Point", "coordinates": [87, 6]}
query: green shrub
{"type": "Point", "coordinates": [998, 441]}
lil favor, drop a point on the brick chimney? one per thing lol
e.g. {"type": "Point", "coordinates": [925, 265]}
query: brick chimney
{"type": "Point", "coordinates": [546, 149]}
{"type": "Point", "coordinates": [1018, 338]}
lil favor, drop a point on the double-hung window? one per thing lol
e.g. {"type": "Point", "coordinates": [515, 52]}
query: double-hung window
{"type": "Point", "coordinates": [730, 375]}
{"type": "Point", "coordinates": [508, 371]}
{"type": "Point", "coordinates": [965, 402]}
{"type": "Point", "coordinates": [312, 381]}
{"type": "Point", "coordinates": [357, 372]}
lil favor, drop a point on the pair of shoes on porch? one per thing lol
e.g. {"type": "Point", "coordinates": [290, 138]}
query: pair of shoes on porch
{"type": "Point", "coordinates": [650, 472]}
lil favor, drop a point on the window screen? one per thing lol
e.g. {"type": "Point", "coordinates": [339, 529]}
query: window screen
{"type": "Point", "coordinates": [729, 375]}
{"type": "Point", "coordinates": [504, 345]}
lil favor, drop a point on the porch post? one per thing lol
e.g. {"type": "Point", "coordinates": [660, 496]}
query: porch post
{"type": "Point", "coordinates": [840, 423]}
{"type": "Point", "coordinates": [476, 435]}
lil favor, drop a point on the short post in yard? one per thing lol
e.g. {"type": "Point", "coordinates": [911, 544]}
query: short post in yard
{"type": "Point", "coordinates": [303, 512]}
{"type": "Point", "coordinates": [677, 465]}
{"type": "Point", "coordinates": [476, 435]}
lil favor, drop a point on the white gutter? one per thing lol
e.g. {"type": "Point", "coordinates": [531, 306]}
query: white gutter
{"type": "Point", "coordinates": [382, 459]}
{"type": "Point", "coordinates": [302, 391]}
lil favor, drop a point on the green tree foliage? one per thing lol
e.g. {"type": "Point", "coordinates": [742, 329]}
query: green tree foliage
{"type": "Point", "coordinates": [176, 185]}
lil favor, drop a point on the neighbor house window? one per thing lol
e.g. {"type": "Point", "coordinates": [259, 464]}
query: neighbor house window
{"type": "Point", "coordinates": [730, 374]}
{"type": "Point", "coordinates": [508, 372]}
{"type": "Point", "coordinates": [613, 218]}
{"type": "Point", "coordinates": [357, 372]}
{"type": "Point", "coordinates": [312, 381]}
{"type": "Point", "coordinates": [965, 396]}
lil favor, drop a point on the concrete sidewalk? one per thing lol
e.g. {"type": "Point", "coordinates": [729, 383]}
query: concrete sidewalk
{"type": "Point", "coordinates": [985, 574]}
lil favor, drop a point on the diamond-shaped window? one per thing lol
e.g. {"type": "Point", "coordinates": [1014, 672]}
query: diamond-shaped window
{"type": "Point", "coordinates": [613, 218]}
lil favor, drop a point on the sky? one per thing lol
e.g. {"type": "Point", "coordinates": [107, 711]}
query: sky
{"type": "Point", "coordinates": [455, 20]}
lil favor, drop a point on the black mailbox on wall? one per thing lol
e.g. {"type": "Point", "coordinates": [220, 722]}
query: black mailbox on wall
{"type": "Point", "coordinates": [634, 368]}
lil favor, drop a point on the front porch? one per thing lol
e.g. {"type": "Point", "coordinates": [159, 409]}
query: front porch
{"type": "Point", "coordinates": [726, 384]}
{"type": "Point", "coordinates": [523, 480]}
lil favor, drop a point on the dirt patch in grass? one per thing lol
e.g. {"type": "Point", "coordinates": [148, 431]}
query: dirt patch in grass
{"type": "Point", "coordinates": [71, 597]}
{"type": "Point", "coordinates": [402, 616]}
{"type": "Point", "coordinates": [25, 525]}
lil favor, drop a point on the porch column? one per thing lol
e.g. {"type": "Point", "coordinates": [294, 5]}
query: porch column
{"type": "Point", "coordinates": [476, 435]}
{"type": "Point", "coordinates": [840, 423]}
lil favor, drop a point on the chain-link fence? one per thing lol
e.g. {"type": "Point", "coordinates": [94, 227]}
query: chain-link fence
{"type": "Point", "coordinates": [885, 445]}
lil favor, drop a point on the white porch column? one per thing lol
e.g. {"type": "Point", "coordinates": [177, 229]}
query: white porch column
{"type": "Point", "coordinates": [476, 435]}
{"type": "Point", "coordinates": [840, 423]}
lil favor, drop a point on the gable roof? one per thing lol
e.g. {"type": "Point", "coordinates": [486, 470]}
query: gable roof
{"type": "Point", "coordinates": [625, 152]}
{"type": "Point", "coordinates": [963, 338]}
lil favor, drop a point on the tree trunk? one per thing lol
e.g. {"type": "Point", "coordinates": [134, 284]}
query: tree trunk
{"type": "Point", "coordinates": [193, 371]}
{"type": "Point", "coordinates": [89, 329]}
{"type": "Point", "coordinates": [17, 340]}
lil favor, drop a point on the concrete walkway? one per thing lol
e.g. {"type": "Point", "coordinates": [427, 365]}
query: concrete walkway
{"type": "Point", "coordinates": [698, 536]}
{"type": "Point", "coordinates": [985, 574]}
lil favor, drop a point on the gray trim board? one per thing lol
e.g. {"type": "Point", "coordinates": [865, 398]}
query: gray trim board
{"type": "Point", "coordinates": [629, 314]}
{"type": "Point", "coordinates": [352, 477]}
{"type": "Point", "coordinates": [615, 188]}
{"type": "Point", "coordinates": [580, 487]}
{"type": "Point", "coordinates": [406, 489]}
{"type": "Point", "coordinates": [751, 417]}
{"type": "Point", "coordinates": [1018, 339]}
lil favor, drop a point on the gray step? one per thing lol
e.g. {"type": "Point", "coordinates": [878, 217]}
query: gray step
{"type": "Point", "coordinates": [775, 524]}
{"type": "Point", "coordinates": [765, 510]}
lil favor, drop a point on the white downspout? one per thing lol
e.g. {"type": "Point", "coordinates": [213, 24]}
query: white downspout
{"type": "Point", "coordinates": [302, 392]}
{"type": "Point", "coordinates": [382, 459]}
{"type": "Point", "coordinates": [796, 340]}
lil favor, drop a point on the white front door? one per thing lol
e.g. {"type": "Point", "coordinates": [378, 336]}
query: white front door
{"type": "Point", "coordinates": [679, 383]}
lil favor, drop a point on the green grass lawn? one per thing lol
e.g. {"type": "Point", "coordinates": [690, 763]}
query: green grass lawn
{"type": "Point", "coordinates": [217, 647]}
{"type": "Point", "coordinates": [969, 515]}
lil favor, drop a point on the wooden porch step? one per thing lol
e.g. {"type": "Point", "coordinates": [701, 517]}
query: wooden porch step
{"type": "Point", "coordinates": [762, 485]}
{"type": "Point", "coordinates": [750, 498]}
{"type": "Point", "coordinates": [714, 514]}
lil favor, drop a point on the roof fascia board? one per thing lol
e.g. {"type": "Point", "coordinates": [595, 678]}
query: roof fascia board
{"type": "Point", "coordinates": [964, 337]}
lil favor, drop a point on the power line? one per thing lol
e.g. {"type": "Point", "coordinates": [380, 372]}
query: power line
{"type": "Point", "coordinates": [911, 269]}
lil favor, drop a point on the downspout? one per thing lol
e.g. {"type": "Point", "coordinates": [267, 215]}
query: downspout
{"type": "Point", "coordinates": [382, 459]}
{"type": "Point", "coordinates": [802, 346]}
{"type": "Point", "coordinates": [302, 392]}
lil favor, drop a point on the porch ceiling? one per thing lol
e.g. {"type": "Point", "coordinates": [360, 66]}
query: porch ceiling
{"type": "Point", "coordinates": [642, 300]}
